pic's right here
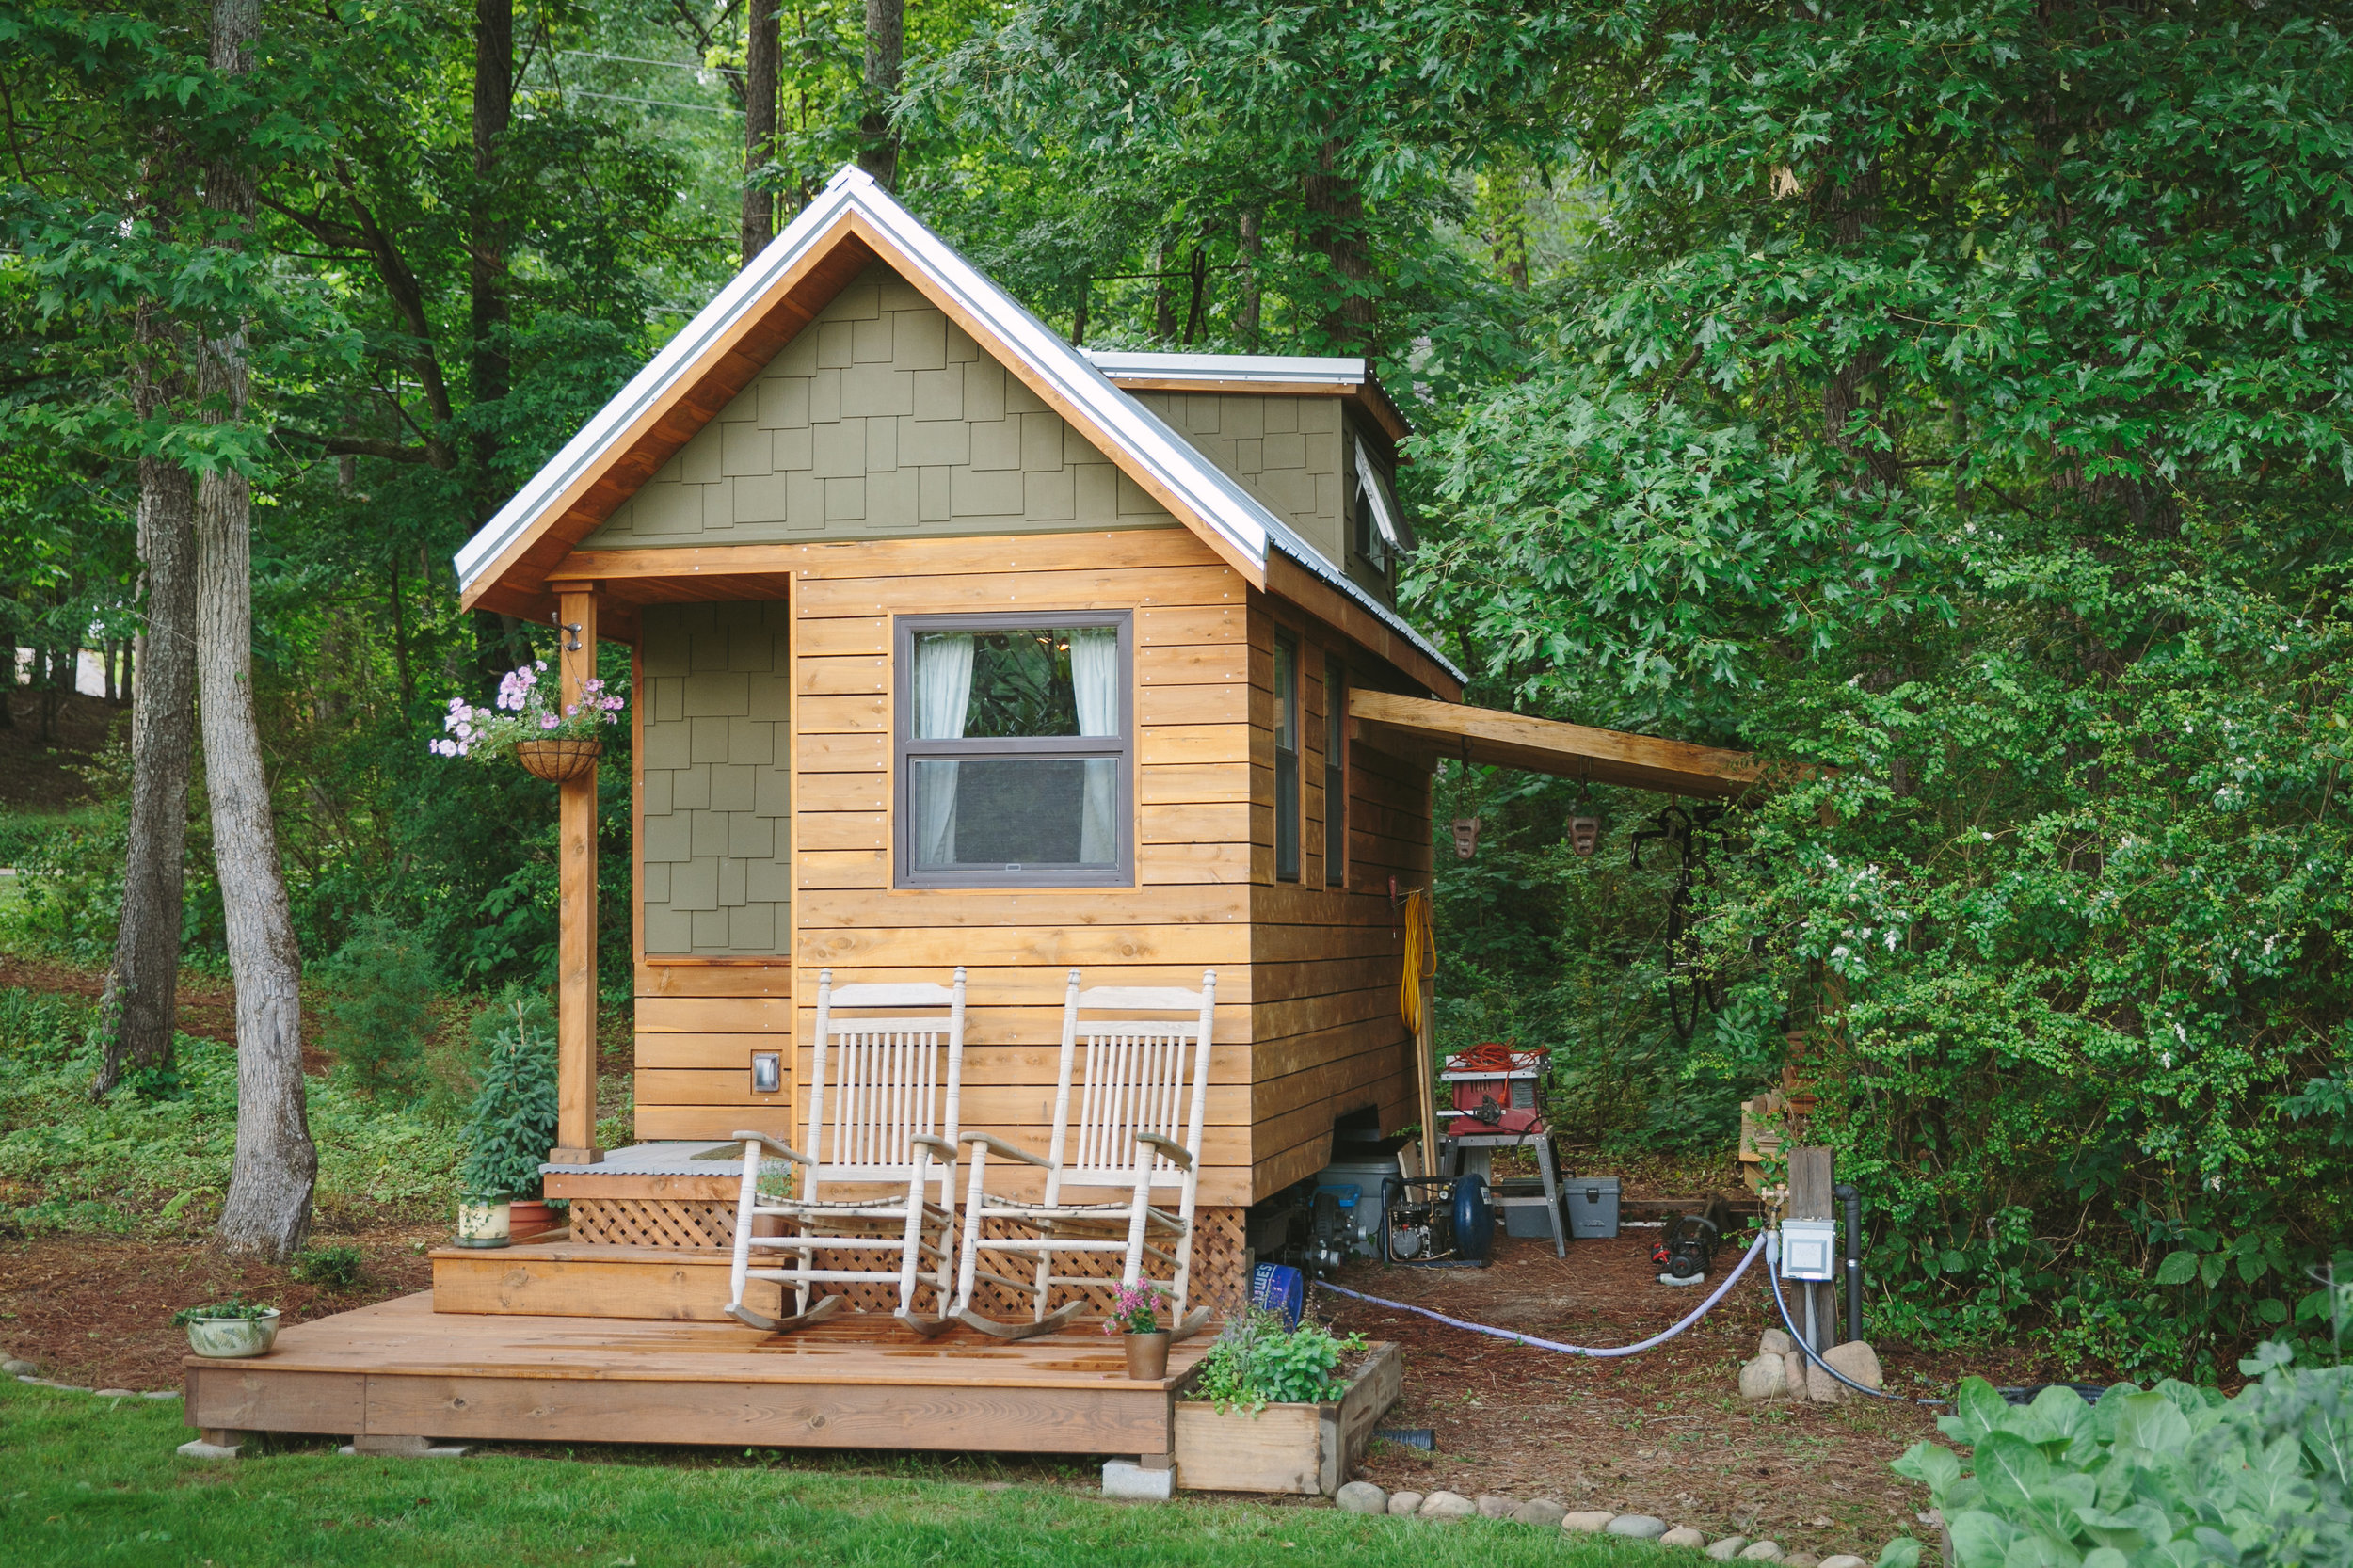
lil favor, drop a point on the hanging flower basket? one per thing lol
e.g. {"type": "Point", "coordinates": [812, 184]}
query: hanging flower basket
{"type": "Point", "coordinates": [558, 762]}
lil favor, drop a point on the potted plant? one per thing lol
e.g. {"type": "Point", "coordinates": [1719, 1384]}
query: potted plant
{"type": "Point", "coordinates": [509, 1129]}
{"type": "Point", "coordinates": [229, 1330]}
{"type": "Point", "coordinates": [553, 739]}
{"type": "Point", "coordinates": [1135, 1315]}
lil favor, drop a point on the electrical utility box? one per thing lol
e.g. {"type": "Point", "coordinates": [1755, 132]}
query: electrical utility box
{"type": "Point", "coordinates": [1809, 1249]}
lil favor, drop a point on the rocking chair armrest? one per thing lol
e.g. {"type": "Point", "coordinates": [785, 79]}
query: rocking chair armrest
{"type": "Point", "coordinates": [999, 1147]}
{"type": "Point", "coordinates": [939, 1147]}
{"type": "Point", "coordinates": [1169, 1147]}
{"type": "Point", "coordinates": [782, 1151]}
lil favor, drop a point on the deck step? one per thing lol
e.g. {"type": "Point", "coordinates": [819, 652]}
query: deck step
{"type": "Point", "coordinates": [572, 1280]}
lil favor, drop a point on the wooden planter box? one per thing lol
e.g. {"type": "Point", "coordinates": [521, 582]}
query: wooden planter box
{"type": "Point", "coordinates": [1288, 1448]}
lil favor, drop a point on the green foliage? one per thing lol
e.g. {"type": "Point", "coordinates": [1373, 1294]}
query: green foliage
{"type": "Point", "coordinates": [235, 1309]}
{"type": "Point", "coordinates": [2175, 1476]}
{"type": "Point", "coordinates": [139, 1163]}
{"type": "Point", "coordinates": [377, 1008]}
{"type": "Point", "coordinates": [1260, 1360]}
{"type": "Point", "coordinates": [337, 1267]}
{"type": "Point", "coordinates": [511, 1125]}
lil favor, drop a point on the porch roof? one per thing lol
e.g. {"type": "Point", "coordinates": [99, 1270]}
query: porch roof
{"type": "Point", "coordinates": [1548, 745]}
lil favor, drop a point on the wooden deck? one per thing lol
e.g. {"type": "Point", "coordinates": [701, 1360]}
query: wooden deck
{"type": "Point", "coordinates": [400, 1370]}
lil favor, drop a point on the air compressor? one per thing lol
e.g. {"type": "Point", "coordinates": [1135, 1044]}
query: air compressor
{"type": "Point", "coordinates": [1437, 1222]}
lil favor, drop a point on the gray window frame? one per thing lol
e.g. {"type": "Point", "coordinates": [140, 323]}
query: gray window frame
{"type": "Point", "coordinates": [905, 748]}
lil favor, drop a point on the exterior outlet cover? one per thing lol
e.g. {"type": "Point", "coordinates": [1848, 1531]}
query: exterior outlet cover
{"type": "Point", "coordinates": [1809, 1249]}
{"type": "Point", "coordinates": [767, 1072]}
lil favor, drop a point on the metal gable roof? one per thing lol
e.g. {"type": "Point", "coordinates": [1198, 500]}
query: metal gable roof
{"type": "Point", "coordinates": [1213, 500]}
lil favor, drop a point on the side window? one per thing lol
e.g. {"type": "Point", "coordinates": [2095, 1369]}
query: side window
{"type": "Point", "coordinates": [1286, 759]}
{"type": "Point", "coordinates": [1335, 774]}
{"type": "Point", "coordinates": [1012, 765]}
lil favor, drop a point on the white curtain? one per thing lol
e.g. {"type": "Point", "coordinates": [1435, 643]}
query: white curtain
{"type": "Point", "coordinates": [943, 692]}
{"type": "Point", "coordinates": [1094, 681]}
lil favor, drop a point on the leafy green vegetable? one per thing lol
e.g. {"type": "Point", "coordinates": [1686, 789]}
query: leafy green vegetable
{"type": "Point", "coordinates": [2173, 1477]}
{"type": "Point", "coordinates": [1260, 1360]}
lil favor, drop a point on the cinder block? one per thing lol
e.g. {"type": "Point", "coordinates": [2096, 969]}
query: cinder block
{"type": "Point", "coordinates": [1124, 1477]}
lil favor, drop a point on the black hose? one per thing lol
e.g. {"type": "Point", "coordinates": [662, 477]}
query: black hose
{"type": "Point", "coordinates": [1772, 1272]}
{"type": "Point", "coordinates": [1847, 1194]}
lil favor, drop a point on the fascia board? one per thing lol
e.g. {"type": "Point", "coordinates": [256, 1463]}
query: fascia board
{"type": "Point", "coordinates": [1277, 369]}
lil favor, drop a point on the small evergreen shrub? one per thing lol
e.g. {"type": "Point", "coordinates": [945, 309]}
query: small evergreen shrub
{"type": "Point", "coordinates": [335, 1267]}
{"type": "Point", "coordinates": [511, 1125]}
{"type": "Point", "coordinates": [377, 1008]}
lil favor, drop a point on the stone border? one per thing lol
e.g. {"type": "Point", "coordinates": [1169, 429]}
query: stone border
{"type": "Point", "coordinates": [1363, 1497]}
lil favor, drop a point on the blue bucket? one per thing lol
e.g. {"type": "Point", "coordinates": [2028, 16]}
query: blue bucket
{"type": "Point", "coordinates": [1279, 1288]}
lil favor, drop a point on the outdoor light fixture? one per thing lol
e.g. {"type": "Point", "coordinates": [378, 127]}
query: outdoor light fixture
{"type": "Point", "coordinates": [767, 1072]}
{"type": "Point", "coordinates": [1465, 837]}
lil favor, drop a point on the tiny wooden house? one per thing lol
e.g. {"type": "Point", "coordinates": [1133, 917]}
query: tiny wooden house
{"type": "Point", "coordinates": [956, 645]}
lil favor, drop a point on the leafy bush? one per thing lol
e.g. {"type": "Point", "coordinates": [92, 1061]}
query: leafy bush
{"type": "Point", "coordinates": [329, 1266]}
{"type": "Point", "coordinates": [511, 1125]}
{"type": "Point", "coordinates": [1260, 1360]}
{"type": "Point", "coordinates": [376, 1007]}
{"type": "Point", "coordinates": [2171, 1478]}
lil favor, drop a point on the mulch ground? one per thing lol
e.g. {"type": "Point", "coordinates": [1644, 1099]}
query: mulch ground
{"type": "Point", "coordinates": [1664, 1433]}
{"type": "Point", "coordinates": [98, 1312]}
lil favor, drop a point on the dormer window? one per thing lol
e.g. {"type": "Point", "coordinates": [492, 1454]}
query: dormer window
{"type": "Point", "coordinates": [1380, 530]}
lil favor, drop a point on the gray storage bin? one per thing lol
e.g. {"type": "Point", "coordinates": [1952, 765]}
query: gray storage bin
{"type": "Point", "coordinates": [1593, 1205]}
{"type": "Point", "coordinates": [1527, 1217]}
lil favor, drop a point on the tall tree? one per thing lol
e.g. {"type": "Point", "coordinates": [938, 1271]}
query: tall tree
{"type": "Point", "coordinates": [885, 52]}
{"type": "Point", "coordinates": [486, 239]}
{"type": "Point", "coordinates": [267, 1208]}
{"type": "Point", "coordinates": [762, 45]}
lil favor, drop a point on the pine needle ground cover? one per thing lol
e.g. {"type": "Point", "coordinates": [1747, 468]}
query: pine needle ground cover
{"type": "Point", "coordinates": [96, 1482]}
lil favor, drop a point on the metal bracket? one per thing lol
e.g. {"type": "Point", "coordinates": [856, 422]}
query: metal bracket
{"type": "Point", "coordinates": [571, 628]}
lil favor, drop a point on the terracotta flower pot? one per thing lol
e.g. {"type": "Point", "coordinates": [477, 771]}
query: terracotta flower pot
{"type": "Point", "coordinates": [558, 762]}
{"type": "Point", "coordinates": [1147, 1356]}
{"type": "Point", "coordinates": [528, 1217]}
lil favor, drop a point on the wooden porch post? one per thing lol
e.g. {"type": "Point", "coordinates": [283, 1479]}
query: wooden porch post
{"type": "Point", "coordinates": [576, 941]}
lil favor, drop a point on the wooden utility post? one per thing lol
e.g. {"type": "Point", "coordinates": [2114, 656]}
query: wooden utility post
{"type": "Point", "coordinates": [576, 915]}
{"type": "Point", "coordinates": [1814, 1307]}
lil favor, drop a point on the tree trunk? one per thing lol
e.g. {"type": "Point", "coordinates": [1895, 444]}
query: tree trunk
{"type": "Point", "coordinates": [761, 46]}
{"type": "Point", "coordinates": [493, 109]}
{"type": "Point", "coordinates": [139, 1007]}
{"type": "Point", "coordinates": [885, 48]}
{"type": "Point", "coordinates": [267, 1211]}
{"type": "Point", "coordinates": [1336, 216]}
{"type": "Point", "coordinates": [1246, 241]}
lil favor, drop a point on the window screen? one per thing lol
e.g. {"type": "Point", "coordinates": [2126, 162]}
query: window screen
{"type": "Point", "coordinates": [1012, 754]}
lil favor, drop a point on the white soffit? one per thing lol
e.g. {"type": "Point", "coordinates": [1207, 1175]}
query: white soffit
{"type": "Point", "coordinates": [1206, 491]}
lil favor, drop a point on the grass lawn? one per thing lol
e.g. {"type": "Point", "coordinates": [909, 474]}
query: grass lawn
{"type": "Point", "coordinates": [95, 1481]}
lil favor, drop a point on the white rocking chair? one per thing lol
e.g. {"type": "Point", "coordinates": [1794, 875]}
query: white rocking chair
{"type": "Point", "coordinates": [1146, 1086]}
{"type": "Point", "coordinates": [876, 1120]}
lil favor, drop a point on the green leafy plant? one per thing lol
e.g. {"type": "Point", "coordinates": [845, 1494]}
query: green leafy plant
{"type": "Point", "coordinates": [332, 1266]}
{"type": "Point", "coordinates": [2167, 1478]}
{"type": "Point", "coordinates": [511, 1124]}
{"type": "Point", "coordinates": [528, 710]}
{"type": "Point", "coordinates": [1260, 1360]}
{"type": "Point", "coordinates": [235, 1307]}
{"type": "Point", "coordinates": [378, 1007]}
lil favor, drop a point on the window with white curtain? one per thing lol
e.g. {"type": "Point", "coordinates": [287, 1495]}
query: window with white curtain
{"type": "Point", "coordinates": [1013, 741]}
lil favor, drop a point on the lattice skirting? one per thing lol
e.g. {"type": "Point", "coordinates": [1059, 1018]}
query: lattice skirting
{"type": "Point", "coordinates": [1220, 1279]}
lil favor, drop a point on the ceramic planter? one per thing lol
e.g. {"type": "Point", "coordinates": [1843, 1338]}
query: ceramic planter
{"type": "Point", "coordinates": [232, 1338]}
{"type": "Point", "coordinates": [1147, 1356]}
{"type": "Point", "coordinates": [482, 1225]}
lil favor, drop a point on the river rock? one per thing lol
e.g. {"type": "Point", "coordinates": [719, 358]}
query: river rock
{"type": "Point", "coordinates": [1447, 1505]}
{"type": "Point", "coordinates": [1404, 1502]}
{"type": "Point", "coordinates": [1856, 1359]}
{"type": "Point", "coordinates": [1844, 1560]}
{"type": "Point", "coordinates": [1641, 1526]}
{"type": "Point", "coordinates": [1682, 1535]}
{"type": "Point", "coordinates": [1541, 1510]}
{"type": "Point", "coordinates": [1760, 1551]}
{"type": "Point", "coordinates": [1362, 1497]}
{"type": "Point", "coordinates": [1774, 1342]}
{"type": "Point", "coordinates": [1795, 1361]}
{"type": "Point", "coordinates": [1728, 1548]}
{"type": "Point", "coordinates": [1765, 1378]}
{"type": "Point", "coordinates": [118, 1393]}
{"type": "Point", "coordinates": [15, 1368]}
{"type": "Point", "coordinates": [1493, 1507]}
{"type": "Point", "coordinates": [1821, 1387]}
{"type": "Point", "coordinates": [1590, 1521]}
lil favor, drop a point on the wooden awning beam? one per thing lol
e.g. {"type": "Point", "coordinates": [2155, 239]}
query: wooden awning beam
{"type": "Point", "coordinates": [1548, 745]}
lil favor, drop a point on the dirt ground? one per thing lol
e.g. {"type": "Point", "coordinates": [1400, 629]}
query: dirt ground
{"type": "Point", "coordinates": [1664, 1433]}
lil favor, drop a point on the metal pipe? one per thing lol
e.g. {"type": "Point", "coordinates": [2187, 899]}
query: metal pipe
{"type": "Point", "coordinates": [1845, 1191]}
